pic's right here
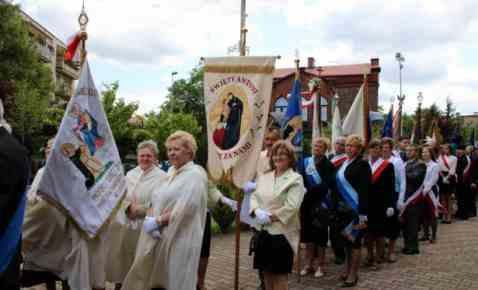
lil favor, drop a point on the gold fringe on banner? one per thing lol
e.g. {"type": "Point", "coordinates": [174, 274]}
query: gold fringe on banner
{"type": "Point", "coordinates": [238, 69]}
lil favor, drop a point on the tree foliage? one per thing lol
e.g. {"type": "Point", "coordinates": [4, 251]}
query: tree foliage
{"type": "Point", "coordinates": [26, 83]}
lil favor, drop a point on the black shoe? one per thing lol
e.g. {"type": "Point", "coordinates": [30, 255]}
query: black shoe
{"type": "Point", "coordinates": [446, 222]}
{"type": "Point", "coordinates": [424, 238]}
{"type": "Point", "coordinates": [411, 252]}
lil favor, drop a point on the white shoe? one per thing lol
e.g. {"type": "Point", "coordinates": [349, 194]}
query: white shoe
{"type": "Point", "coordinates": [319, 273]}
{"type": "Point", "coordinates": [305, 271]}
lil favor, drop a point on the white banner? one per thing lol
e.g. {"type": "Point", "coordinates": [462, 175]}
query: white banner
{"type": "Point", "coordinates": [83, 173]}
{"type": "Point", "coordinates": [238, 93]}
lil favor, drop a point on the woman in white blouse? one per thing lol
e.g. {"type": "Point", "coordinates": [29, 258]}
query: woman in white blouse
{"type": "Point", "coordinates": [430, 194]}
{"type": "Point", "coordinates": [275, 204]}
{"type": "Point", "coordinates": [447, 181]}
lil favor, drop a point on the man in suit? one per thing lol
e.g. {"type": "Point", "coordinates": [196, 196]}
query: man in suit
{"type": "Point", "coordinates": [13, 181]}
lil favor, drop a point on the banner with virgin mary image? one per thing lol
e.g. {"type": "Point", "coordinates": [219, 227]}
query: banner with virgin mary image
{"type": "Point", "coordinates": [237, 92]}
{"type": "Point", "coordinates": [83, 174]}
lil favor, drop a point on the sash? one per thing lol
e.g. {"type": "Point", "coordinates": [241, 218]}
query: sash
{"type": "Point", "coordinates": [338, 160]}
{"type": "Point", "coordinates": [350, 196]}
{"type": "Point", "coordinates": [434, 203]}
{"type": "Point", "coordinates": [377, 168]}
{"type": "Point", "coordinates": [313, 176]}
{"type": "Point", "coordinates": [412, 199]}
{"type": "Point", "coordinates": [10, 239]}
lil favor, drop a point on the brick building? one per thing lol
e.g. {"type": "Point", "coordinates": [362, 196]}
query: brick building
{"type": "Point", "coordinates": [344, 79]}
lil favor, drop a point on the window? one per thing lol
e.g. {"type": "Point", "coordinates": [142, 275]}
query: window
{"type": "Point", "coordinates": [280, 106]}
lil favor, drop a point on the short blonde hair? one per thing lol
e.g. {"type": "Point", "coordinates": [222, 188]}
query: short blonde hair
{"type": "Point", "coordinates": [283, 144]}
{"type": "Point", "coordinates": [150, 144]}
{"type": "Point", "coordinates": [187, 141]}
{"type": "Point", "coordinates": [323, 140]}
{"type": "Point", "coordinates": [355, 140]}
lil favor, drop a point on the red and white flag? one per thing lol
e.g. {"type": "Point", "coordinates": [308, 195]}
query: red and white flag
{"type": "Point", "coordinates": [72, 52]}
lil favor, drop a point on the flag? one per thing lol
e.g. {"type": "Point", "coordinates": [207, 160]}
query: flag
{"type": "Point", "coordinates": [83, 174]}
{"type": "Point", "coordinates": [357, 120]}
{"type": "Point", "coordinates": [336, 123]}
{"type": "Point", "coordinates": [237, 93]}
{"type": "Point", "coordinates": [315, 125]}
{"type": "Point", "coordinates": [72, 48]}
{"type": "Point", "coordinates": [472, 137]}
{"type": "Point", "coordinates": [388, 126]}
{"type": "Point", "coordinates": [292, 126]}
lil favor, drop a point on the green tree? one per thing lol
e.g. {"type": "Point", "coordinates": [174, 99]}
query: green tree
{"type": "Point", "coordinates": [161, 126]}
{"type": "Point", "coordinates": [187, 96]}
{"type": "Point", "coordinates": [25, 82]}
{"type": "Point", "coordinates": [119, 113]}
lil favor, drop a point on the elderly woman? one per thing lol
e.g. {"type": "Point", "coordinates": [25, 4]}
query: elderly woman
{"type": "Point", "coordinates": [169, 246]}
{"type": "Point", "coordinates": [52, 243]}
{"type": "Point", "coordinates": [125, 229]}
{"type": "Point", "coordinates": [353, 185]}
{"type": "Point", "coordinates": [275, 204]}
{"type": "Point", "coordinates": [318, 173]}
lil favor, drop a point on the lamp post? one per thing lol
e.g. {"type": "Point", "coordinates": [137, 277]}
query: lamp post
{"type": "Point", "coordinates": [174, 73]}
{"type": "Point", "coordinates": [400, 59]}
{"type": "Point", "coordinates": [419, 116]}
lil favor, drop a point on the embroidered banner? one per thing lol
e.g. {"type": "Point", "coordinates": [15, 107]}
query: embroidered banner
{"type": "Point", "coordinates": [237, 92]}
{"type": "Point", "coordinates": [83, 174]}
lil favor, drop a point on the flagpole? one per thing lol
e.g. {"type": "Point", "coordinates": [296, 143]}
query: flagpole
{"type": "Point", "coordinates": [366, 109]}
{"type": "Point", "coordinates": [83, 21]}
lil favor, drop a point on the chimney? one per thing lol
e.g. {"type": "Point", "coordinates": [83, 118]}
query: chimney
{"type": "Point", "coordinates": [310, 62]}
{"type": "Point", "coordinates": [375, 62]}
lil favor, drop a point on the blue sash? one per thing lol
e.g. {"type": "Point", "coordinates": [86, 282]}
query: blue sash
{"type": "Point", "coordinates": [313, 176]}
{"type": "Point", "coordinates": [350, 196]}
{"type": "Point", "coordinates": [10, 239]}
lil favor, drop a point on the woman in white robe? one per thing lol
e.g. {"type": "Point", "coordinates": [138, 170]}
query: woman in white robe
{"type": "Point", "coordinates": [126, 227]}
{"type": "Point", "coordinates": [52, 243]}
{"type": "Point", "coordinates": [169, 246]}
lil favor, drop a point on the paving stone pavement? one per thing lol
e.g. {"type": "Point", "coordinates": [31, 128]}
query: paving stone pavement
{"type": "Point", "coordinates": [451, 263]}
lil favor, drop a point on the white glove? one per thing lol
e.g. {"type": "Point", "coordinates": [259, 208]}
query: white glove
{"type": "Point", "coordinates": [390, 211]}
{"type": "Point", "coordinates": [263, 217]}
{"type": "Point", "coordinates": [229, 202]}
{"type": "Point", "coordinates": [150, 224]}
{"type": "Point", "coordinates": [363, 219]}
{"type": "Point", "coordinates": [400, 205]}
{"type": "Point", "coordinates": [249, 187]}
{"type": "Point", "coordinates": [156, 234]}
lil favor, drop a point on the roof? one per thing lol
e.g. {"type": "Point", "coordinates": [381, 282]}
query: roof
{"type": "Point", "coordinates": [328, 71]}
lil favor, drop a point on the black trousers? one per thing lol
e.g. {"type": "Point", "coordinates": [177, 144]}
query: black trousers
{"type": "Point", "coordinates": [462, 196]}
{"type": "Point", "coordinates": [471, 203]}
{"type": "Point", "coordinates": [337, 242]}
{"type": "Point", "coordinates": [10, 279]}
{"type": "Point", "coordinates": [411, 219]}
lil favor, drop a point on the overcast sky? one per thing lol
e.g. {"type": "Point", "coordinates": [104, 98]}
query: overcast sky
{"type": "Point", "coordinates": [140, 43]}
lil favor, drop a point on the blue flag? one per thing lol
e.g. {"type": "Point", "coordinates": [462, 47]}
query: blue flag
{"type": "Point", "coordinates": [292, 124]}
{"type": "Point", "coordinates": [387, 130]}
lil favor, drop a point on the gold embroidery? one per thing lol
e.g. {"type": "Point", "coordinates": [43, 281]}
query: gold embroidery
{"type": "Point", "coordinates": [236, 69]}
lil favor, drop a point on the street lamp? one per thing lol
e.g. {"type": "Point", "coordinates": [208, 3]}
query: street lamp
{"type": "Point", "coordinates": [419, 116]}
{"type": "Point", "coordinates": [400, 59]}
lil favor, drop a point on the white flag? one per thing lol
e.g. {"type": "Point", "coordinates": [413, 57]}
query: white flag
{"type": "Point", "coordinates": [336, 123]}
{"type": "Point", "coordinates": [315, 121]}
{"type": "Point", "coordinates": [353, 122]}
{"type": "Point", "coordinates": [238, 93]}
{"type": "Point", "coordinates": [83, 173]}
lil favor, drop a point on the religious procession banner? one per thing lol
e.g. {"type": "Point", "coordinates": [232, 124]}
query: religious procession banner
{"type": "Point", "coordinates": [238, 93]}
{"type": "Point", "coordinates": [83, 174]}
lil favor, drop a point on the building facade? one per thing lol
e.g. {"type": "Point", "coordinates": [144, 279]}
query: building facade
{"type": "Point", "coordinates": [345, 80]}
{"type": "Point", "coordinates": [52, 50]}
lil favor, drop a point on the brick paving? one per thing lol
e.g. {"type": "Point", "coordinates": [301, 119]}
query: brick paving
{"type": "Point", "coordinates": [451, 263]}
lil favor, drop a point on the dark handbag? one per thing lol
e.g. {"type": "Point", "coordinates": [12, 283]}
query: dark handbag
{"type": "Point", "coordinates": [256, 241]}
{"type": "Point", "coordinates": [342, 216]}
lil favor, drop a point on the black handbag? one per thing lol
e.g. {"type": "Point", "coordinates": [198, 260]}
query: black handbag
{"type": "Point", "coordinates": [320, 216]}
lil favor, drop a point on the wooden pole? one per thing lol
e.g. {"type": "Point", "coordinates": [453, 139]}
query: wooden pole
{"type": "Point", "coordinates": [366, 110]}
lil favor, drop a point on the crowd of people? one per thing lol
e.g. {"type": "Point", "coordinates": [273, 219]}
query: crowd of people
{"type": "Point", "coordinates": [358, 198]}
